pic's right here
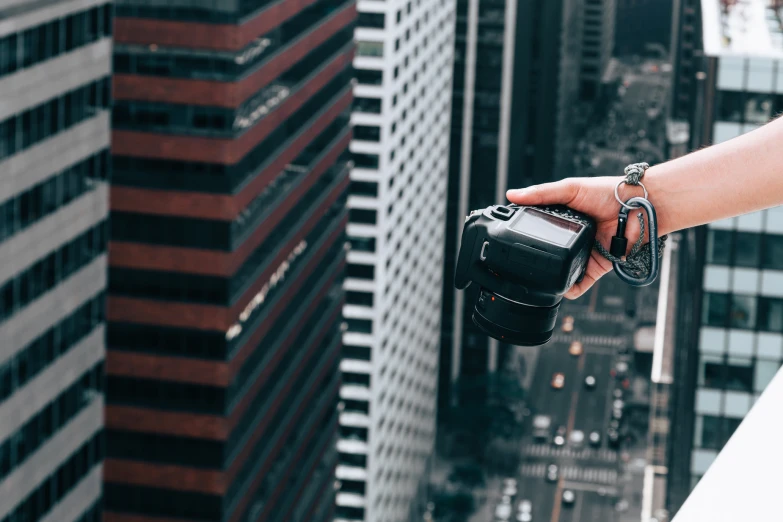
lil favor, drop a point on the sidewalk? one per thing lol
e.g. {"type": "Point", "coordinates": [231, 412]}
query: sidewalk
{"type": "Point", "coordinates": [486, 500]}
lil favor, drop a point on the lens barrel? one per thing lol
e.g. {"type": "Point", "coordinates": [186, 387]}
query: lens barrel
{"type": "Point", "coordinates": [513, 322]}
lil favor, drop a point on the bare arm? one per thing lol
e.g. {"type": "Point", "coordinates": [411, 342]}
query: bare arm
{"type": "Point", "coordinates": [742, 175]}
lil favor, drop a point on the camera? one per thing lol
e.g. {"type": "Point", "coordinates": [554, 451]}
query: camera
{"type": "Point", "coordinates": [523, 259]}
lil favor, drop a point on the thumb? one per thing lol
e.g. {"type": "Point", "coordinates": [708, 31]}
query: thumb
{"type": "Point", "coordinates": [560, 192]}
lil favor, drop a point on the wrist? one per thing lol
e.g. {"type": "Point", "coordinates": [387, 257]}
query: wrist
{"type": "Point", "coordinates": [662, 197]}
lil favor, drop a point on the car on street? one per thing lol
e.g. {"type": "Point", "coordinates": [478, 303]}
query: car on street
{"type": "Point", "coordinates": [503, 511]}
{"type": "Point", "coordinates": [525, 511]}
{"type": "Point", "coordinates": [568, 497]}
{"type": "Point", "coordinates": [617, 413]}
{"type": "Point", "coordinates": [510, 490]}
{"type": "Point", "coordinates": [551, 473]}
{"type": "Point", "coordinates": [577, 438]}
{"type": "Point", "coordinates": [613, 438]}
{"type": "Point", "coordinates": [568, 324]}
{"type": "Point", "coordinates": [621, 369]}
{"type": "Point", "coordinates": [560, 436]}
{"type": "Point", "coordinates": [595, 439]}
{"type": "Point", "coordinates": [576, 349]}
{"type": "Point", "coordinates": [617, 393]}
{"type": "Point", "coordinates": [542, 428]}
{"type": "Point", "coordinates": [590, 382]}
{"type": "Point", "coordinates": [558, 381]}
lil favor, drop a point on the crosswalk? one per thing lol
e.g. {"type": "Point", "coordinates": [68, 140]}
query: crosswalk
{"type": "Point", "coordinates": [549, 451]}
{"type": "Point", "coordinates": [573, 473]}
{"type": "Point", "coordinates": [594, 340]}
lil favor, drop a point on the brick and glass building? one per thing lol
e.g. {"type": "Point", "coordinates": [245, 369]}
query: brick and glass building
{"type": "Point", "coordinates": [55, 66]}
{"type": "Point", "coordinates": [227, 252]}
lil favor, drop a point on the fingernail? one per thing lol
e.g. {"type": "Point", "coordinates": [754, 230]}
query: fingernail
{"type": "Point", "coordinates": [514, 192]}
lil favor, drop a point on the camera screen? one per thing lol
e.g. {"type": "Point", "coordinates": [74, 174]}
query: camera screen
{"type": "Point", "coordinates": [547, 227]}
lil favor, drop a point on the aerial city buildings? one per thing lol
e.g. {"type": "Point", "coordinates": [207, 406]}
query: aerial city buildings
{"type": "Point", "coordinates": [738, 339]}
{"type": "Point", "coordinates": [231, 173]}
{"type": "Point", "coordinates": [55, 66]}
{"type": "Point", "coordinates": [525, 77]}
{"type": "Point", "coordinates": [401, 117]}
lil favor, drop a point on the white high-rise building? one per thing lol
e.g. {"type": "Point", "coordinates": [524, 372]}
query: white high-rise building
{"type": "Point", "coordinates": [397, 207]}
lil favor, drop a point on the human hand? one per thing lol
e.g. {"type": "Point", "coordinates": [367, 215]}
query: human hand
{"type": "Point", "coordinates": [595, 197]}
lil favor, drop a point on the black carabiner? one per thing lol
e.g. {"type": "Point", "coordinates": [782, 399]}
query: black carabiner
{"type": "Point", "coordinates": [652, 228]}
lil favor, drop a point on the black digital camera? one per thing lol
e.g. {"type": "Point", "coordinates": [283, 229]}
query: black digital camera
{"type": "Point", "coordinates": [523, 259]}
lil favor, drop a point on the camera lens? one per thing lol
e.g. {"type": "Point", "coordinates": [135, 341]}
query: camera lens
{"type": "Point", "coordinates": [513, 322]}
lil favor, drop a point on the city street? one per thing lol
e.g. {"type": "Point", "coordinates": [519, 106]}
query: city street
{"type": "Point", "coordinates": [591, 473]}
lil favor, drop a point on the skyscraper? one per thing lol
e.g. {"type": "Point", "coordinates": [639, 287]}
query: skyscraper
{"type": "Point", "coordinates": [524, 80]}
{"type": "Point", "coordinates": [402, 107]}
{"type": "Point", "coordinates": [55, 62]}
{"type": "Point", "coordinates": [227, 253]}
{"type": "Point", "coordinates": [739, 334]}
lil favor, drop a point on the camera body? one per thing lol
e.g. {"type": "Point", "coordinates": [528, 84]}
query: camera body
{"type": "Point", "coordinates": [524, 259]}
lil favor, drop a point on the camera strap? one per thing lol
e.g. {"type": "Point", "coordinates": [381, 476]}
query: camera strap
{"type": "Point", "coordinates": [640, 267]}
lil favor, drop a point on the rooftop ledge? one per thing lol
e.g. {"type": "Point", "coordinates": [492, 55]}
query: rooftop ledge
{"type": "Point", "coordinates": [744, 482]}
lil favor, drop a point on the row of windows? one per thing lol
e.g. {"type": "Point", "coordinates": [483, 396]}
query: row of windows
{"type": "Point", "coordinates": [23, 130]}
{"type": "Point", "coordinates": [361, 353]}
{"type": "Point", "coordinates": [745, 249]}
{"type": "Point", "coordinates": [50, 346]}
{"type": "Point", "coordinates": [50, 271]}
{"type": "Point", "coordinates": [747, 107]}
{"type": "Point", "coordinates": [371, 20]}
{"type": "Point", "coordinates": [748, 312]}
{"type": "Point", "coordinates": [363, 216]}
{"type": "Point", "coordinates": [179, 118]}
{"type": "Point", "coordinates": [234, 67]}
{"type": "Point", "coordinates": [216, 177]}
{"type": "Point", "coordinates": [366, 161]}
{"type": "Point", "coordinates": [67, 476]}
{"type": "Point", "coordinates": [47, 197]}
{"type": "Point", "coordinates": [43, 42]}
{"type": "Point", "coordinates": [20, 445]}
{"type": "Point", "coordinates": [274, 428]}
{"type": "Point", "coordinates": [211, 289]}
{"type": "Point", "coordinates": [359, 298]}
{"type": "Point", "coordinates": [364, 188]}
{"type": "Point", "coordinates": [362, 244]}
{"type": "Point", "coordinates": [293, 312]}
{"type": "Point", "coordinates": [735, 374]}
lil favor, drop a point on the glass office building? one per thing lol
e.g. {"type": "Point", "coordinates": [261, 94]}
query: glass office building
{"type": "Point", "coordinates": [55, 65]}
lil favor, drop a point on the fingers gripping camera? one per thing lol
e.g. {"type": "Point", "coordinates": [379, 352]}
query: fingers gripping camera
{"type": "Point", "coordinates": [523, 259]}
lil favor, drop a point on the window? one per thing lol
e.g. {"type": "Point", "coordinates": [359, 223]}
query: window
{"type": "Point", "coordinates": [770, 314]}
{"type": "Point", "coordinates": [773, 252]}
{"type": "Point", "coordinates": [747, 249]}
{"type": "Point", "coordinates": [372, 20]}
{"type": "Point", "coordinates": [371, 49]}
{"type": "Point", "coordinates": [758, 108]}
{"type": "Point", "coordinates": [716, 431]}
{"type": "Point", "coordinates": [363, 244]}
{"type": "Point", "coordinates": [739, 378]}
{"type": "Point", "coordinates": [360, 271]}
{"type": "Point", "coordinates": [356, 378]}
{"type": "Point", "coordinates": [730, 106]}
{"type": "Point", "coordinates": [743, 311]}
{"type": "Point", "coordinates": [364, 188]}
{"type": "Point", "coordinates": [367, 133]}
{"type": "Point", "coordinates": [365, 161]}
{"type": "Point", "coordinates": [362, 353]}
{"type": "Point", "coordinates": [719, 246]}
{"type": "Point", "coordinates": [359, 298]}
{"type": "Point", "coordinates": [363, 216]}
{"type": "Point", "coordinates": [359, 325]}
{"type": "Point", "coordinates": [369, 76]}
{"type": "Point", "coordinates": [371, 105]}
{"type": "Point", "coordinates": [715, 311]}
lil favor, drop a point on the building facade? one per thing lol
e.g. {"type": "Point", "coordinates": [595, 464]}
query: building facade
{"type": "Point", "coordinates": [55, 66]}
{"type": "Point", "coordinates": [740, 330]}
{"type": "Point", "coordinates": [401, 117]}
{"type": "Point", "coordinates": [230, 147]}
{"type": "Point", "coordinates": [516, 117]}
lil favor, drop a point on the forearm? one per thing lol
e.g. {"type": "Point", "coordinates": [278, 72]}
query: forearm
{"type": "Point", "coordinates": [742, 175]}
